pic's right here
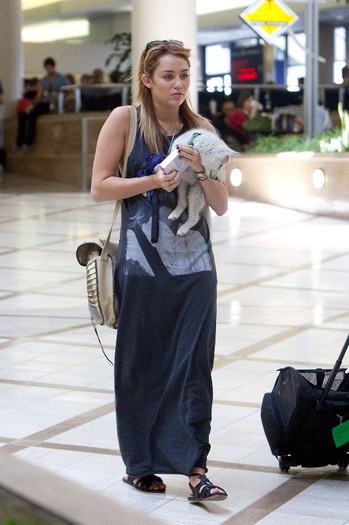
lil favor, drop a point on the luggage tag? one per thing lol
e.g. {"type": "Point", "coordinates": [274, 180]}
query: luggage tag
{"type": "Point", "coordinates": [340, 433]}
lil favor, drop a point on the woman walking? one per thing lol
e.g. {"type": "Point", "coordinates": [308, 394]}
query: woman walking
{"type": "Point", "coordinates": [166, 286]}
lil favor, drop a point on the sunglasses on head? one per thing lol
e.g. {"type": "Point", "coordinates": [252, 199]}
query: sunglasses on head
{"type": "Point", "coordinates": [155, 43]}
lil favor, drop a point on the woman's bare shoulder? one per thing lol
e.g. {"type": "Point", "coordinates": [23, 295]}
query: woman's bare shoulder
{"type": "Point", "coordinates": [117, 124]}
{"type": "Point", "coordinates": [120, 115]}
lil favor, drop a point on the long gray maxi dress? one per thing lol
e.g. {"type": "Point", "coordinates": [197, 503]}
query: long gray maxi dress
{"type": "Point", "coordinates": [165, 338]}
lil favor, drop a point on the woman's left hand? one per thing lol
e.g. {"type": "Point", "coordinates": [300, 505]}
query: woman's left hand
{"type": "Point", "coordinates": [191, 155]}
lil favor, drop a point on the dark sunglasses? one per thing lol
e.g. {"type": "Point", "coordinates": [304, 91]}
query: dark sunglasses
{"type": "Point", "coordinates": [155, 43]}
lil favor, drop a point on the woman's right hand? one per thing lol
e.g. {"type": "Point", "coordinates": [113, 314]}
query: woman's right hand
{"type": "Point", "coordinates": [166, 181]}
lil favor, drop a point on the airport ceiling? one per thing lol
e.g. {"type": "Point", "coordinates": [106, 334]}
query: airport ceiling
{"type": "Point", "coordinates": [218, 20]}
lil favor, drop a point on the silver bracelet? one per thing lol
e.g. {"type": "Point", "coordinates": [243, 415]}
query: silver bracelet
{"type": "Point", "coordinates": [201, 175]}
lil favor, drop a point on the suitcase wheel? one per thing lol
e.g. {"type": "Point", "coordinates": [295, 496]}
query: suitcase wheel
{"type": "Point", "coordinates": [284, 466]}
{"type": "Point", "coordinates": [343, 464]}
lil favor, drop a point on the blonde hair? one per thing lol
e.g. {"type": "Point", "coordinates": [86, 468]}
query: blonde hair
{"type": "Point", "coordinates": [149, 125]}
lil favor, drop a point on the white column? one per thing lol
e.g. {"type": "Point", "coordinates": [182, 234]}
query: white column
{"type": "Point", "coordinates": [11, 53]}
{"type": "Point", "coordinates": [163, 20]}
{"type": "Point", "coordinates": [311, 82]}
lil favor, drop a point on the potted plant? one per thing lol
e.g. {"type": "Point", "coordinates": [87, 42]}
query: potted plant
{"type": "Point", "coordinates": [335, 140]}
{"type": "Point", "coordinates": [308, 174]}
{"type": "Point", "coordinates": [120, 57]}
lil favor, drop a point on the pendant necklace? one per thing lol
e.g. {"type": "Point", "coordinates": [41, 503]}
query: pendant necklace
{"type": "Point", "coordinates": [172, 138]}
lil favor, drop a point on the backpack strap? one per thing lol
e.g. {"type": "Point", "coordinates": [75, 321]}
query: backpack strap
{"type": "Point", "coordinates": [129, 146]}
{"type": "Point", "coordinates": [130, 138]}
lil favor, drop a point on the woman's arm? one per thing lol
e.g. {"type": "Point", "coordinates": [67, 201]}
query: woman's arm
{"type": "Point", "coordinates": [111, 144]}
{"type": "Point", "coordinates": [216, 195]}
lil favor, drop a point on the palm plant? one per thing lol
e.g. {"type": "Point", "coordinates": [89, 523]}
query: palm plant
{"type": "Point", "coordinates": [120, 56]}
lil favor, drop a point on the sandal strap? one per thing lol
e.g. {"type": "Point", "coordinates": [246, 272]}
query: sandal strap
{"type": "Point", "coordinates": [203, 489]}
{"type": "Point", "coordinates": [147, 481]}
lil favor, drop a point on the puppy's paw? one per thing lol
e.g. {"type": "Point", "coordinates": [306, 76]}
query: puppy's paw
{"type": "Point", "coordinates": [182, 230]}
{"type": "Point", "coordinates": [173, 216]}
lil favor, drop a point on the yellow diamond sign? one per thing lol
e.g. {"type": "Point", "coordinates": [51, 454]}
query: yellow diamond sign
{"type": "Point", "coordinates": [269, 18]}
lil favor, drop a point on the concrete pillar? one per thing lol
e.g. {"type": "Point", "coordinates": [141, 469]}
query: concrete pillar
{"type": "Point", "coordinates": [326, 50]}
{"type": "Point", "coordinates": [11, 53]}
{"type": "Point", "coordinates": [153, 20]}
{"type": "Point", "coordinates": [268, 63]}
{"type": "Point", "coordinates": [312, 66]}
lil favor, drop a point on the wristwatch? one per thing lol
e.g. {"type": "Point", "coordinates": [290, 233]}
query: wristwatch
{"type": "Point", "coordinates": [201, 175]}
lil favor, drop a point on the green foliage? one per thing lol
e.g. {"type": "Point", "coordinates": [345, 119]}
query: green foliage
{"type": "Point", "coordinates": [335, 140]}
{"type": "Point", "coordinates": [258, 124]}
{"type": "Point", "coordinates": [120, 56]}
{"type": "Point", "coordinates": [344, 116]}
{"type": "Point", "coordinates": [279, 143]}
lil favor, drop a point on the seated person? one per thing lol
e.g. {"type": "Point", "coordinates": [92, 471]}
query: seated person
{"type": "Point", "coordinates": [220, 120]}
{"type": "Point", "coordinates": [97, 76]}
{"type": "Point", "coordinates": [26, 109]}
{"type": "Point", "coordinates": [323, 120]}
{"type": "Point", "coordinates": [30, 92]}
{"type": "Point", "coordinates": [50, 85]}
{"type": "Point", "coordinates": [290, 119]}
{"type": "Point", "coordinates": [85, 79]}
{"type": "Point", "coordinates": [344, 89]}
{"type": "Point", "coordinates": [246, 108]}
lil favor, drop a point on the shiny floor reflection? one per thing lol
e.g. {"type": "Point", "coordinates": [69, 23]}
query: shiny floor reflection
{"type": "Point", "coordinates": [283, 299]}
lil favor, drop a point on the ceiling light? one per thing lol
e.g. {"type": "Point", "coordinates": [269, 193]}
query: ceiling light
{"type": "Point", "coordinates": [204, 7]}
{"type": "Point", "coordinates": [55, 30]}
{"type": "Point", "coordinates": [33, 4]}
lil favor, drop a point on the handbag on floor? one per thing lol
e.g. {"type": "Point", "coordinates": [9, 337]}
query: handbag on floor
{"type": "Point", "coordinates": [99, 256]}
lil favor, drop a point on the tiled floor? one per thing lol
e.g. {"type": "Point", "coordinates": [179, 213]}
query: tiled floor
{"type": "Point", "coordinates": [283, 299]}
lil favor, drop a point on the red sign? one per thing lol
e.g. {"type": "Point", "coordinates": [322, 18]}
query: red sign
{"type": "Point", "coordinates": [247, 74]}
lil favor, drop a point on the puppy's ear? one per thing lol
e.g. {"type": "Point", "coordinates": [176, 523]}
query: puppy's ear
{"type": "Point", "coordinates": [225, 160]}
{"type": "Point", "coordinates": [234, 153]}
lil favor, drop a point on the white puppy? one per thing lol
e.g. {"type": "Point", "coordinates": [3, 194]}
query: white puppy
{"type": "Point", "coordinates": [214, 154]}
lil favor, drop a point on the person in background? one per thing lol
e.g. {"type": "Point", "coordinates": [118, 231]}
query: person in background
{"type": "Point", "coordinates": [97, 76]}
{"type": "Point", "coordinates": [93, 96]}
{"type": "Point", "coordinates": [166, 286]}
{"type": "Point", "coordinates": [246, 108]}
{"type": "Point", "coordinates": [301, 81]}
{"type": "Point", "coordinates": [290, 119]}
{"type": "Point", "coordinates": [344, 89]}
{"type": "Point", "coordinates": [85, 82]}
{"type": "Point", "coordinates": [220, 121]}
{"type": "Point", "coordinates": [69, 95]}
{"type": "Point", "coordinates": [71, 78]}
{"type": "Point", "coordinates": [44, 102]}
{"type": "Point", "coordinates": [27, 114]}
{"type": "Point", "coordinates": [50, 85]}
{"type": "Point", "coordinates": [30, 92]}
{"type": "Point", "coordinates": [85, 79]}
{"type": "Point", "coordinates": [323, 120]}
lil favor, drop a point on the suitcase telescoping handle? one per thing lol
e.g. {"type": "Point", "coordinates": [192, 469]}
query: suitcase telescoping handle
{"type": "Point", "coordinates": [334, 372]}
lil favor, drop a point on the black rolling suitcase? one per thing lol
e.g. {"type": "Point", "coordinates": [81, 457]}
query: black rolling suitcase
{"type": "Point", "coordinates": [306, 416]}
